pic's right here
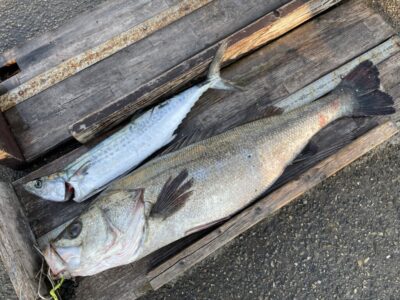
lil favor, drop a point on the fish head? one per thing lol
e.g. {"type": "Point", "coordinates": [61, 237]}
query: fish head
{"type": "Point", "coordinates": [108, 234]}
{"type": "Point", "coordinates": [53, 187]}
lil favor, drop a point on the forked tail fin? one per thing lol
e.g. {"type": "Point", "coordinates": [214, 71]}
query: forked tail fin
{"type": "Point", "coordinates": [368, 100]}
{"type": "Point", "coordinates": [214, 75]}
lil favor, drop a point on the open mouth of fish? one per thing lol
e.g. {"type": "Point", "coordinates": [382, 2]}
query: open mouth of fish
{"type": "Point", "coordinates": [69, 191]}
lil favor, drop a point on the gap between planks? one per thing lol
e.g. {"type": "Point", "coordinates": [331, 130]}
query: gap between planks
{"type": "Point", "coordinates": [268, 205]}
{"type": "Point", "coordinates": [250, 38]}
{"type": "Point", "coordinates": [88, 58]}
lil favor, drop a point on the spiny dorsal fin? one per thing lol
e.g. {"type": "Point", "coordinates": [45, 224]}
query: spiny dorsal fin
{"type": "Point", "coordinates": [173, 195]}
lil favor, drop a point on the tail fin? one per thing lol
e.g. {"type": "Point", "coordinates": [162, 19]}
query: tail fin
{"type": "Point", "coordinates": [214, 75]}
{"type": "Point", "coordinates": [364, 83]}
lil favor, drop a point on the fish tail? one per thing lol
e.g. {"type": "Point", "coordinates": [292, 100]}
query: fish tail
{"type": "Point", "coordinates": [214, 75]}
{"type": "Point", "coordinates": [368, 99]}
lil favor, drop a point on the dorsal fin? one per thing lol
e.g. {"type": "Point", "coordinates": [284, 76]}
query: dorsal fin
{"type": "Point", "coordinates": [173, 195]}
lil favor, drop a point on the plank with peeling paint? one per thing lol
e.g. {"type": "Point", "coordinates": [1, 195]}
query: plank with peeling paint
{"type": "Point", "coordinates": [240, 43]}
{"type": "Point", "coordinates": [91, 56]}
{"type": "Point", "coordinates": [289, 65]}
{"type": "Point", "coordinates": [93, 88]}
{"type": "Point", "coordinates": [272, 73]}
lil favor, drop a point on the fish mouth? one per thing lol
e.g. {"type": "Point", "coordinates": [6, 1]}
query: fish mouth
{"type": "Point", "coordinates": [55, 262]}
{"type": "Point", "coordinates": [69, 191]}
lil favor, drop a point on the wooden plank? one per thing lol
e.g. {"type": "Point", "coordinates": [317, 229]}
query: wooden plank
{"type": "Point", "coordinates": [131, 280]}
{"type": "Point", "coordinates": [16, 248]}
{"type": "Point", "coordinates": [64, 104]}
{"type": "Point", "coordinates": [268, 205]}
{"type": "Point", "coordinates": [275, 65]}
{"type": "Point", "coordinates": [280, 62]}
{"type": "Point", "coordinates": [257, 34]}
{"type": "Point", "coordinates": [326, 83]}
{"type": "Point", "coordinates": [88, 58]}
{"type": "Point", "coordinates": [10, 154]}
{"type": "Point", "coordinates": [89, 29]}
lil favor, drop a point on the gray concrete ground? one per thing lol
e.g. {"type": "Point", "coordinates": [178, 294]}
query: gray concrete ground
{"type": "Point", "coordinates": [339, 241]}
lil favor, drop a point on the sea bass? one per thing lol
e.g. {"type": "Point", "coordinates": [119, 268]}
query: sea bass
{"type": "Point", "coordinates": [127, 148]}
{"type": "Point", "coordinates": [191, 189]}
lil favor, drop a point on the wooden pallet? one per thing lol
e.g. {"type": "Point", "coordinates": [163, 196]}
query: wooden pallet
{"type": "Point", "coordinates": [300, 66]}
{"type": "Point", "coordinates": [94, 96]}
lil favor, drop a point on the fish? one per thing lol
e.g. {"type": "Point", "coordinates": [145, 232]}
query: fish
{"type": "Point", "coordinates": [202, 184]}
{"type": "Point", "coordinates": [126, 149]}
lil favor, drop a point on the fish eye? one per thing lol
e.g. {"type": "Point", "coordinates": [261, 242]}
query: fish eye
{"type": "Point", "coordinates": [74, 229]}
{"type": "Point", "coordinates": [38, 183]}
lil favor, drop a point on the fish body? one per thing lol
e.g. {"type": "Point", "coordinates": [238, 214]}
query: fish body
{"type": "Point", "coordinates": [127, 148]}
{"type": "Point", "coordinates": [191, 189]}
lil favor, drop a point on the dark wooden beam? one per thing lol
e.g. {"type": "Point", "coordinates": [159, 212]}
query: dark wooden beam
{"type": "Point", "coordinates": [17, 252]}
{"type": "Point", "coordinates": [248, 39]}
{"type": "Point", "coordinates": [268, 205]}
{"type": "Point", "coordinates": [10, 154]}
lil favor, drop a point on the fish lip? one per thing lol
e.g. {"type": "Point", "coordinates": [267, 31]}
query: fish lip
{"type": "Point", "coordinates": [54, 260]}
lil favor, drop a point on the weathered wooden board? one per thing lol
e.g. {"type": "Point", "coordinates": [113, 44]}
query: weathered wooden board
{"type": "Point", "coordinates": [268, 205]}
{"type": "Point", "coordinates": [87, 30]}
{"type": "Point", "coordinates": [64, 104]}
{"type": "Point", "coordinates": [240, 43]}
{"type": "Point", "coordinates": [20, 259]}
{"type": "Point", "coordinates": [10, 154]}
{"type": "Point", "coordinates": [75, 64]}
{"type": "Point", "coordinates": [271, 73]}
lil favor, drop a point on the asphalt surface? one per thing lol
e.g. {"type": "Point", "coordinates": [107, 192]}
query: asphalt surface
{"type": "Point", "coordinates": [339, 241]}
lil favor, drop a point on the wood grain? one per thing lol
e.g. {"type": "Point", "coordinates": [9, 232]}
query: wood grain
{"type": "Point", "coordinates": [10, 154]}
{"type": "Point", "coordinates": [16, 247]}
{"type": "Point", "coordinates": [266, 74]}
{"type": "Point", "coordinates": [270, 74]}
{"type": "Point", "coordinates": [268, 205]}
{"type": "Point", "coordinates": [91, 56]}
{"type": "Point", "coordinates": [120, 74]}
{"type": "Point", "coordinates": [250, 38]}
{"type": "Point", "coordinates": [89, 29]}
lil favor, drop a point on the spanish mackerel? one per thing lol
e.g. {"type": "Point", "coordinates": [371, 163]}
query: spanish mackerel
{"type": "Point", "coordinates": [191, 189]}
{"type": "Point", "coordinates": [124, 150]}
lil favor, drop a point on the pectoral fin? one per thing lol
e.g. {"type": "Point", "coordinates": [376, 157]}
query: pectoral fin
{"type": "Point", "coordinates": [173, 195]}
{"type": "Point", "coordinates": [82, 170]}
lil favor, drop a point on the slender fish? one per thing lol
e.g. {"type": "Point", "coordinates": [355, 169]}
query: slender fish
{"type": "Point", "coordinates": [124, 150]}
{"type": "Point", "coordinates": [191, 189]}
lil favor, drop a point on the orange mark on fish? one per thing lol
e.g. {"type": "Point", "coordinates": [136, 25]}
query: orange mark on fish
{"type": "Point", "coordinates": [323, 120]}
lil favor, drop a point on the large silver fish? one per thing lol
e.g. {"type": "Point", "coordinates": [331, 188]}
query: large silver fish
{"type": "Point", "coordinates": [191, 189]}
{"type": "Point", "coordinates": [124, 150]}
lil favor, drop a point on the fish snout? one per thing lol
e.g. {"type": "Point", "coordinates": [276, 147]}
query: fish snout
{"type": "Point", "coordinates": [58, 260]}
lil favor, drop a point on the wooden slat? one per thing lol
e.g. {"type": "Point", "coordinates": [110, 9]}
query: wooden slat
{"type": "Point", "coordinates": [266, 75]}
{"type": "Point", "coordinates": [16, 247]}
{"type": "Point", "coordinates": [240, 43]}
{"type": "Point", "coordinates": [88, 58]}
{"type": "Point", "coordinates": [271, 73]}
{"type": "Point", "coordinates": [326, 83]}
{"type": "Point", "coordinates": [10, 154]}
{"type": "Point", "coordinates": [81, 33]}
{"type": "Point", "coordinates": [64, 104]}
{"type": "Point", "coordinates": [268, 205]}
